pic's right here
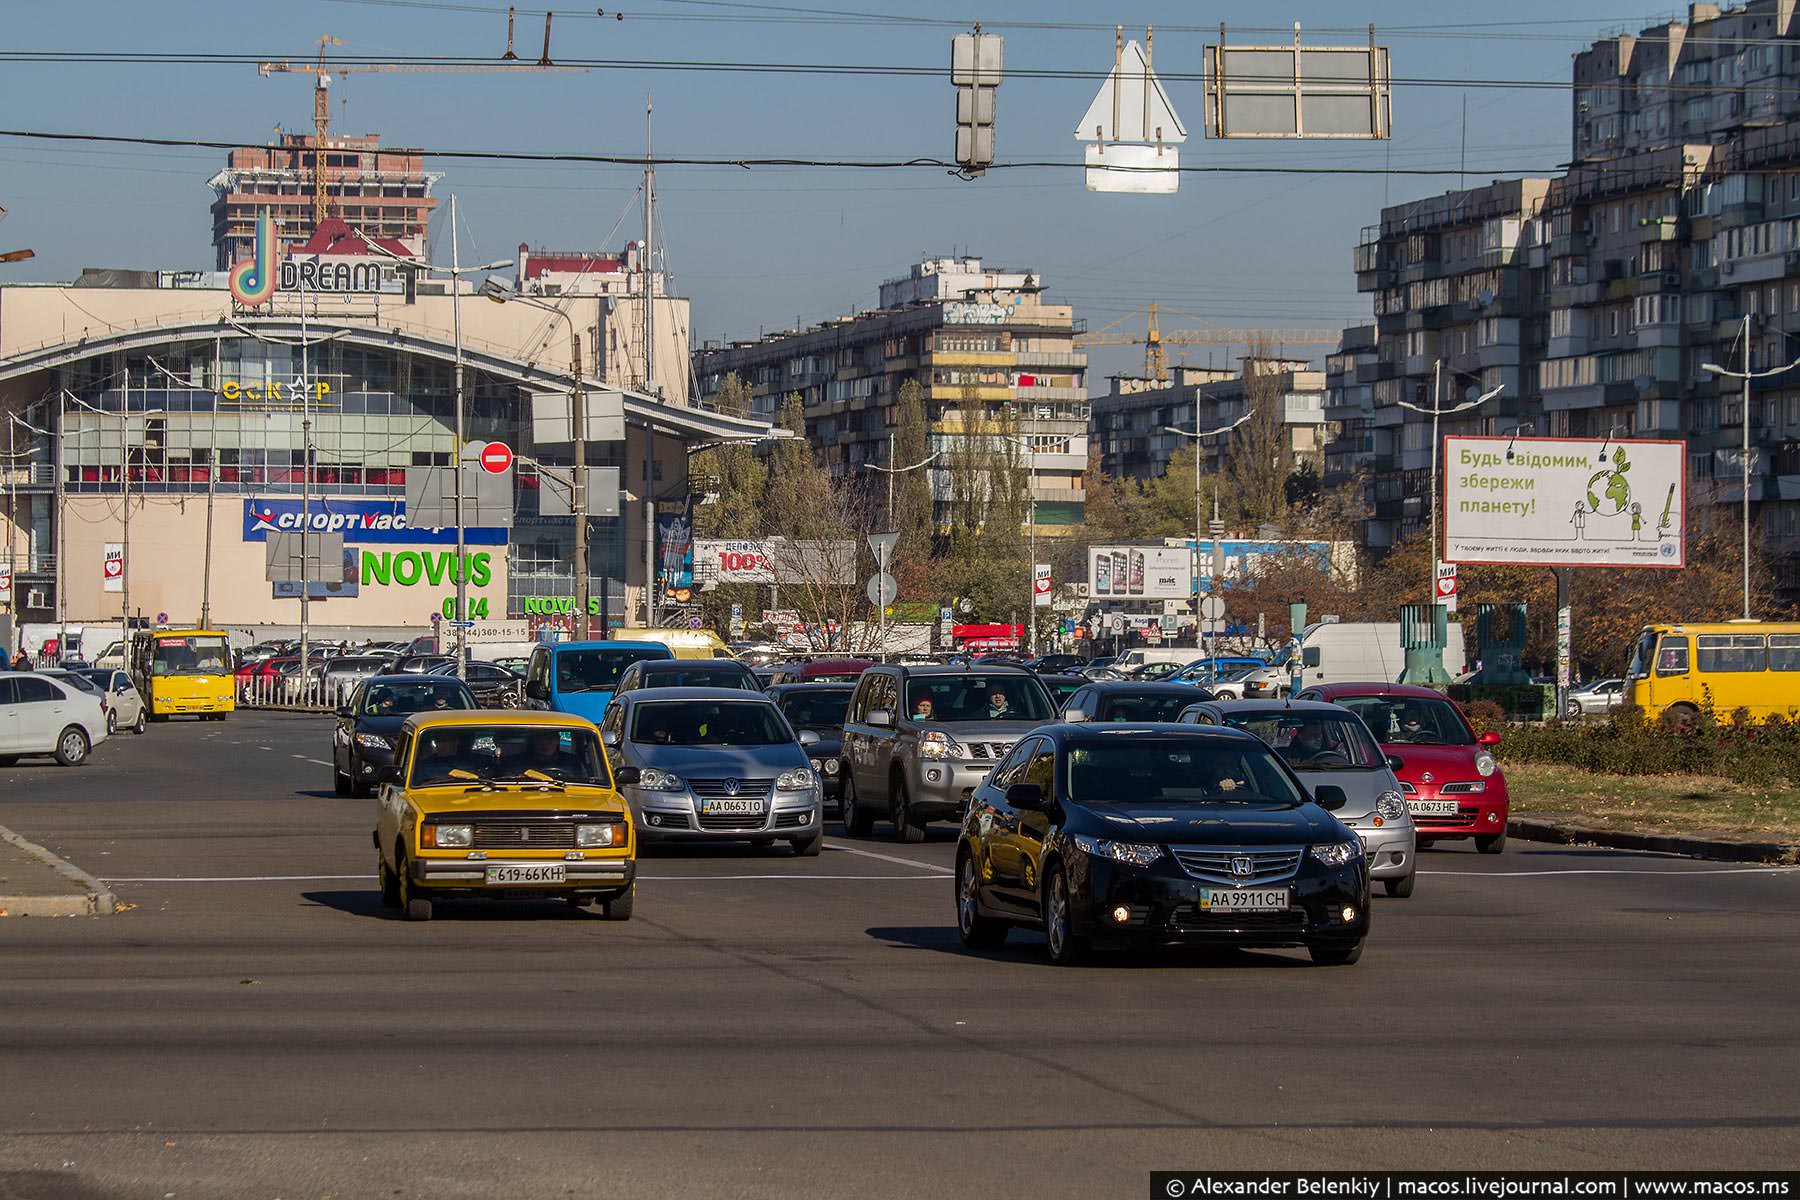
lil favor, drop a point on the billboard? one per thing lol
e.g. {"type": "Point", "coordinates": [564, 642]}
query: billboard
{"type": "Point", "coordinates": [373, 521]}
{"type": "Point", "coordinates": [1564, 502]}
{"type": "Point", "coordinates": [774, 560]}
{"type": "Point", "coordinates": [1140, 573]}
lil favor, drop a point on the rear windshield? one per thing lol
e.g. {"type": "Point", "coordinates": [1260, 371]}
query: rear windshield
{"type": "Point", "coordinates": [1409, 721]}
{"type": "Point", "coordinates": [1313, 741]}
{"type": "Point", "coordinates": [976, 697]}
{"type": "Point", "coordinates": [816, 710]}
{"type": "Point", "coordinates": [710, 723]}
{"type": "Point", "coordinates": [426, 695]}
{"type": "Point", "coordinates": [1145, 708]}
{"type": "Point", "coordinates": [1172, 772]}
{"type": "Point", "coordinates": [595, 670]}
{"type": "Point", "coordinates": [703, 675]}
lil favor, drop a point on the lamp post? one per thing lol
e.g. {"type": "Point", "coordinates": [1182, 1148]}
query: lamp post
{"type": "Point", "coordinates": [890, 471]}
{"type": "Point", "coordinates": [579, 497]}
{"type": "Point", "coordinates": [1744, 461]}
{"type": "Point", "coordinates": [1438, 411]}
{"type": "Point", "coordinates": [1218, 526]}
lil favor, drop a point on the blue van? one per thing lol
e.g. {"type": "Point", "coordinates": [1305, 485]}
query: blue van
{"type": "Point", "coordinates": [578, 677]}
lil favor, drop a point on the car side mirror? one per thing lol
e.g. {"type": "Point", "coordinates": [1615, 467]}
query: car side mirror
{"type": "Point", "coordinates": [1074, 716]}
{"type": "Point", "coordinates": [1026, 796]}
{"type": "Point", "coordinates": [343, 710]}
{"type": "Point", "coordinates": [808, 738]}
{"type": "Point", "coordinates": [1330, 797]}
{"type": "Point", "coordinates": [881, 718]}
{"type": "Point", "coordinates": [388, 774]}
{"type": "Point", "coordinates": [612, 737]}
{"type": "Point", "coordinates": [627, 776]}
{"type": "Point", "coordinates": [1490, 738]}
{"type": "Point", "coordinates": [535, 689]}
{"type": "Point", "coordinates": [1396, 763]}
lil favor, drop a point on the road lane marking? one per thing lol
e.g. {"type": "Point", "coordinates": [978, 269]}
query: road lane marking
{"type": "Point", "coordinates": [892, 858]}
{"type": "Point", "coordinates": [318, 762]}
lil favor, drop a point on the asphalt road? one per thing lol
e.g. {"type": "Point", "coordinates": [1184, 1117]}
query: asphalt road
{"type": "Point", "coordinates": [772, 1026]}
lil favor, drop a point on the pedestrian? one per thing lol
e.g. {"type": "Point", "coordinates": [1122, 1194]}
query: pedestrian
{"type": "Point", "coordinates": [21, 661]}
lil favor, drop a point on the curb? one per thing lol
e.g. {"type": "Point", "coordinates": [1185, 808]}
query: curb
{"type": "Point", "coordinates": [98, 902]}
{"type": "Point", "coordinates": [1690, 847]}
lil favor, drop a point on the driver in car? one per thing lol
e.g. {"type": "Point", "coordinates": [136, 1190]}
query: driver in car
{"type": "Point", "coordinates": [998, 709]}
{"type": "Point", "coordinates": [439, 756]}
{"type": "Point", "coordinates": [1308, 743]}
{"type": "Point", "coordinates": [543, 754]}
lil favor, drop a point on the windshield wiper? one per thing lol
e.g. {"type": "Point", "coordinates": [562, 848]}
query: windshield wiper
{"type": "Point", "coordinates": [543, 783]}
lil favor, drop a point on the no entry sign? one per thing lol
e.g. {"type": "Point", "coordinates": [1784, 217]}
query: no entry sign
{"type": "Point", "coordinates": [496, 458]}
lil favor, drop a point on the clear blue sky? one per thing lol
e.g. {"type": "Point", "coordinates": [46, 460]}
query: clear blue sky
{"type": "Point", "coordinates": [757, 249]}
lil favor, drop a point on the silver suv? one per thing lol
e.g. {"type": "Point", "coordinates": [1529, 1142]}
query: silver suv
{"type": "Point", "coordinates": [919, 740]}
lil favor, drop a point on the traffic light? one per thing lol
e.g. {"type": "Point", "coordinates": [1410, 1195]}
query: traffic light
{"type": "Point", "coordinates": [975, 71]}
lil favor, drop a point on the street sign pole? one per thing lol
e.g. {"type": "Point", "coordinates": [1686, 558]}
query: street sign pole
{"type": "Point", "coordinates": [882, 545]}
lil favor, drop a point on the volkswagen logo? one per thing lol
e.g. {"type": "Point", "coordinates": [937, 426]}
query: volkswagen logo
{"type": "Point", "coordinates": [1242, 865]}
{"type": "Point", "coordinates": [732, 787]}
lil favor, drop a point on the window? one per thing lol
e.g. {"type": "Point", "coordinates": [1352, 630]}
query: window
{"type": "Point", "coordinates": [1672, 656]}
{"type": "Point", "coordinates": [1731, 652]}
{"type": "Point", "coordinates": [1784, 648]}
{"type": "Point", "coordinates": [28, 689]}
{"type": "Point", "coordinates": [1041, 770]}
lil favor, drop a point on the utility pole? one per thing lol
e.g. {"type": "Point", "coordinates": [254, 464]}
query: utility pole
{"type": "Point", "coordinates": [1031, 514]}
{"type": "Point", "coordinates": [125, 520]}
{"type": "Point", "coordinates": [1198, 620]}
{"type": "Point", "coordinates": [578, 497]}
{"type": "Point", "coordinates": [212, 475]}
{"type": "Point", "coordinates": [306, 532]}
{"type": "Point", "coordinates": [650, 387]}
{"type": "Point", "coordinates": [1437, 409]}
{"type": "Point", "coordinates": [462, 562]}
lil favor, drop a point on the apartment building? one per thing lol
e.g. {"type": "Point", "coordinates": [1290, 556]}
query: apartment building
{"type": "Point", "coordinates": [1131, 424]}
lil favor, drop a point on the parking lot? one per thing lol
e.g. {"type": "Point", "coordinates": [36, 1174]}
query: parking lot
{"type": "Point", "coordinates": [772, 1026]}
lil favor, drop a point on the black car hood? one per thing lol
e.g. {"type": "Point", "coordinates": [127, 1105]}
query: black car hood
{"type": "Point", "coordinates": [387, 727]}
{"type": "Point", "coordinates": [831, 741]}
{"type": "Point", "coordinates": [1212, 824]}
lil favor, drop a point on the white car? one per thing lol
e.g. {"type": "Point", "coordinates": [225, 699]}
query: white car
{"type": "Point", "coordinates": [40, 715]}
{"type": "Point", "coordinates": [1598, 696]}
{"type": "Point", "coordinates": [125, 707]}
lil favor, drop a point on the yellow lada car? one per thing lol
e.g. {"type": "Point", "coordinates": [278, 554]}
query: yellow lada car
{"type": "Point", "coordinates": [510, 805]}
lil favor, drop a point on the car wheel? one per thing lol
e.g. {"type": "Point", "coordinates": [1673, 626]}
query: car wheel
{"type": "Point", "coordinates": [978, 932]}
{"type": "Point", "coordinates": [138, 726]}
{"type": "Point", "coordinates": [1400, 888]}
{"type": "Point", "coordinates": [1682, 717]}
{"type": "Point", "coordinates": [390, 885]}
{"type": "Point", "coordinates": [1060, 940]}
{"type": "Point", "coordinates": [1335, 954]}
{"type": "Point", "coordinates": [859, 822]}
{"type": "Point", "coordinates": [809, 847]}
{"type": "Point", "coordinates": [72, 747]}
{"type": "Point", "coordinates": [907, 828]}
{"type": "Point", "coordinates": [112, 722]}
{"type": "Point", "coordinates": [1493, 843]}
{"type": "Point", "coordinates": [415, 906]}
{"type": "Point", "coordinates": [618, 907]}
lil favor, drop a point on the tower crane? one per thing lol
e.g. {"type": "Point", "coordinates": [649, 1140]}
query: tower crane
{"type": "Point", "coordinates": [1155, 338]}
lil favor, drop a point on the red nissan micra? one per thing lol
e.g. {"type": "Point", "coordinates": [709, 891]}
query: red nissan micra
{"type": "Point", "coordinates": [1453, 786]}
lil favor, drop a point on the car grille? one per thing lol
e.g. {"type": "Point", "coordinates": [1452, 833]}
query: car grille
{"type": "Point", "coordinates": [524, 835]}
{"type": "Point", "coordinates": [747, 789]}
{"type": "Point", "coordinates": [1192, 916]}
{"type": "Point", "coordinates": [989, 750]}
{"type": "Point", "coordinates": [1460, 789]}
{"type": "Point", "coordinates": [718, 821]}
{"type": "Point", "coordinates": [1217, 864]}
{"type": "Point", "coordinates": [1408, 788]}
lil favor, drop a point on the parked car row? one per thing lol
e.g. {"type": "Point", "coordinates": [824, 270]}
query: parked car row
{"type": "Point", "coordinates": [59, 714]}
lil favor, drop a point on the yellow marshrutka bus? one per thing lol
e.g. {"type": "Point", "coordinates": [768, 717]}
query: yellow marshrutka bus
{"type": "Point", "coordinates": [184, 672]}
{"type": "Point", "coordinates": [1679, 670]}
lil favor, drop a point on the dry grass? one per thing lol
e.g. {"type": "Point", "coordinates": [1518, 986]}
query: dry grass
{"type": "Point", "coordinates": [1702, 805]}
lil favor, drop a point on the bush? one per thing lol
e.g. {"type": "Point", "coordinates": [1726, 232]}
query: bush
{"type": "Point", "coordinates": [1765, 753]}
{"type": "Point", "coordinates": [1485, 715]}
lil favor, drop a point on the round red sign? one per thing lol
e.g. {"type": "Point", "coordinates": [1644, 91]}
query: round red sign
{"type": "Point", "coordinates": [496, 458]}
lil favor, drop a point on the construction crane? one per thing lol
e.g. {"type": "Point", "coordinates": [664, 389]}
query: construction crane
{"type": "Point", "coordinates": [322, 89]}
{"type": "Point", "coordinates": [1154, 339]}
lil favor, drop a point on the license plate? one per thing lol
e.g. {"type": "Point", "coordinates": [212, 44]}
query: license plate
{"type": "Point", "coordinates": [732, 808]}
{"type": "Point", "coordinates": [1431, 808]}
{"type": "Point", "coordinates": [528, 873]}
{"type": "Point", "coordinates": [1243, 899]}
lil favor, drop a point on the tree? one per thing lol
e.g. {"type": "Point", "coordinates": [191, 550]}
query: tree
{"type": "Point", "coordinates": [730, 475]}
{"type": "Point", "coordinates": [1260, 455]}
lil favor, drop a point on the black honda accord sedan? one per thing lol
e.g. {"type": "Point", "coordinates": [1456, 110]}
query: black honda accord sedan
{"type": "Point", "coordinates": [1121, 835]}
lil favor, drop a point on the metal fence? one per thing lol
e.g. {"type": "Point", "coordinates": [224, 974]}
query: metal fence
{"type": "Point", "coordinates": [287, 692]}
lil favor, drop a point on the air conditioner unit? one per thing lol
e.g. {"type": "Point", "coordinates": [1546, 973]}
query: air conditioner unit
{"type": "Point", "coordinates": [1727, 268]}
{"type": "Point", "coordinates": [37, 598]}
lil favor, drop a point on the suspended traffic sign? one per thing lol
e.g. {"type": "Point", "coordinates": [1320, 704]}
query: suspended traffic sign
{"type": "Point", "coordinates": [1131, 127]}
{"type": "Point", "coordinates": [1297, 91]}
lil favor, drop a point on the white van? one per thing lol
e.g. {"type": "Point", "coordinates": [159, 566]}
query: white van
{"type": "Point", "coordinates": [1364, 652]}
{"type": "Point", "coordinates": [1139, 656]}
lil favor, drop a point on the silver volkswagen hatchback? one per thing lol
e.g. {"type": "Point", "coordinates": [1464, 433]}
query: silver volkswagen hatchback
{"type": "Point", "coordinates": [1327, 744]}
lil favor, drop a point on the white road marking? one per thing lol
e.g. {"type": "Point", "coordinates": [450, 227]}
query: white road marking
{"type": "Point", "coordinates": [1615, 871]}
{"type": "Point", "coordinates": [265, 747]}
{"type": "Point", "coordinates": [892, 858]}
{"type": "Point", "coordinates": [318, 762]}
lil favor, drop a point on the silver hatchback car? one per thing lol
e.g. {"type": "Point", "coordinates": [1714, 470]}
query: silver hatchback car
{"type": "Point", "coordinates": [1328, 744]}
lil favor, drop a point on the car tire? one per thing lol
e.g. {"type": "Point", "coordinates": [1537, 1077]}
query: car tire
{"type": "Point", "coordinates": [906, 828]}
{"type": "Point", "coordinates": [1400, 889]}
{"type": "Point", "coordinates": [413, 906]}
{"type": "Point", "coordinates": [1061, 943]}
{"type": "Point", "coordinates": [390, 883]}
{"type": "Point", "coordinates": [112, 722]}
{"type": "Point", "coordinates": [977, 932]}
{"type": "Point", "coordinates": [138, 726]}
{"type": "Point", "coordinates": [1335, 954]}
{"type": "Point", "coordinates": [1493, 843]}
{"type": "Point", "coordinates": [72, 747]}
{"type": "Point", "coordinates": [859, 822]}
{"type": "Point", "coordinates": [618, 906]}
{"type": "Point", "coordinates": [809, 847]}
{"type": "Point", "coordinates": [1681, 717]}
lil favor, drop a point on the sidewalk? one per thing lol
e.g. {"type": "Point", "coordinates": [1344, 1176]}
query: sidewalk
{"type": "Point", "coordinates": [36, 883]}
{"type": "Point", "coordinates": [1570, 830]}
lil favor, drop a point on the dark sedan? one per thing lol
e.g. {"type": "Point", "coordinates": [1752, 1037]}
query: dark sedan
{"type": "Point", "coordinates": [687, 673]}
{"type": "Point", "coordinates": [363, 741]}
{"type": "Point", "coordinates": [494, 686]}
{"type": "Point", "coordinates": [819, 707]}
{"type": "Point", "coordinates": [1147, 835]}
{"type": "Point", "coordinates": [1128, 700]}
{"type": "Point", "coordinates": [1061, 687]}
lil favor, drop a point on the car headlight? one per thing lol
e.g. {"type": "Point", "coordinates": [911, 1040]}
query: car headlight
{"type": "Point", "coordinates": [796, 780]}
{"type": "Point", "coordinates": [1336, 854]}
{"type": "Point", "coordinates": [1390, 806]}
{"type": "Point", "coordinates": [373, 741]}
{"type": "Point", "coordinates": [453, 837]}
{"type": "Point", "coordinates": [655, 779]}
{"type": "Point", "coordinates": [825, 766]}
{"type": "Point", "coordinates": [1138, 854]}
{"type": "Point", "coordinates": [1485, 764]}
{"type": "Point", "coordinates": [595, 835]}
{"type": "Point", "coordinates": [937, 744]}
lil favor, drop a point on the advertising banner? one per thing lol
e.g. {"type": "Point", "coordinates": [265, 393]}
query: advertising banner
{"type": "Point", "coordinates": [1140, 573]}
{"type": "Point", "coordinates": [112, 571]}
{"type": "Point", "coordinates": [1041, 586]}
{"type": "Point", "coordinates": [675, 551]}
{"type": "Point", "coordinates": [360, 520]}
{"type": "Point", "coordinates": [774, 560]}
{"type": "Point", "coordinates": [1562, 502]}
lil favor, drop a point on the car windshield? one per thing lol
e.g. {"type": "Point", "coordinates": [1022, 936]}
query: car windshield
{"type": "Point", "coordinates": [816, 710]}
{"type": "Point", "coordinates": [1313, 740]}
{"type": "Point", "coordinates": [470, 755]}
{"type": "Point", "coordinates": [700, 675]}
{"type": "Point", "coordinates": [76, 680]}
{"type": "Point", "coordinates": [101, 677]}
{"type": "Point", "coordinates": [405, 696]}
{"type": "Point", "coordinates": [1062, 689]}
{"type": "Point", "coordinates": [1168, 771]}
{"type": "Point", "coordinates": [1163, 706]}
{"type": "Point", "coordinates": [710, 723]}
{"type": "Point", "coordinates": [975, 697]}
{"type": "Point", "coordinates": [595, 670]}
{"type": "Point", "coordinates": [1410, 721]}
{"type": "Point", "coordinates": [189, 655]}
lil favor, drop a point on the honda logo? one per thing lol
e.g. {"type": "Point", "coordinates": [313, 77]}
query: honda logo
{"type": "Point", "coordinates": [1242, 865]}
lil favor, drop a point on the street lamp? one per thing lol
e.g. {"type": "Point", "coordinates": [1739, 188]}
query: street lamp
{"type": "Point", "coordinates": [890, 471]}
{"type": "Point", "coordinates": [457, 271]}
{"type": "Point", "coordinates": [1218, 526]}
{"type": "Point", "coordinates": [1438, 411]}
{"type": "Point", "coordinates": [1744, 462]}
{"type": "Point", "coordinates": [497, 292]}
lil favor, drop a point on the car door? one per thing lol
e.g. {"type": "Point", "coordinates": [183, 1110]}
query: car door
{"type": "Point", "coordinates": [862, 741]}
{"type": "Point", "coordinates": [43, 710]}
{"type": "Point", "coordinates": [9, 716]}
{"type": "Point", "coordinates": [1030, 830]}
{"type": "Point", "coordinates": [1080, 702]}
{"type": "Point", "coordinates": [991, 819]}
{"type": "Point", "coordinates": [126, 702]}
